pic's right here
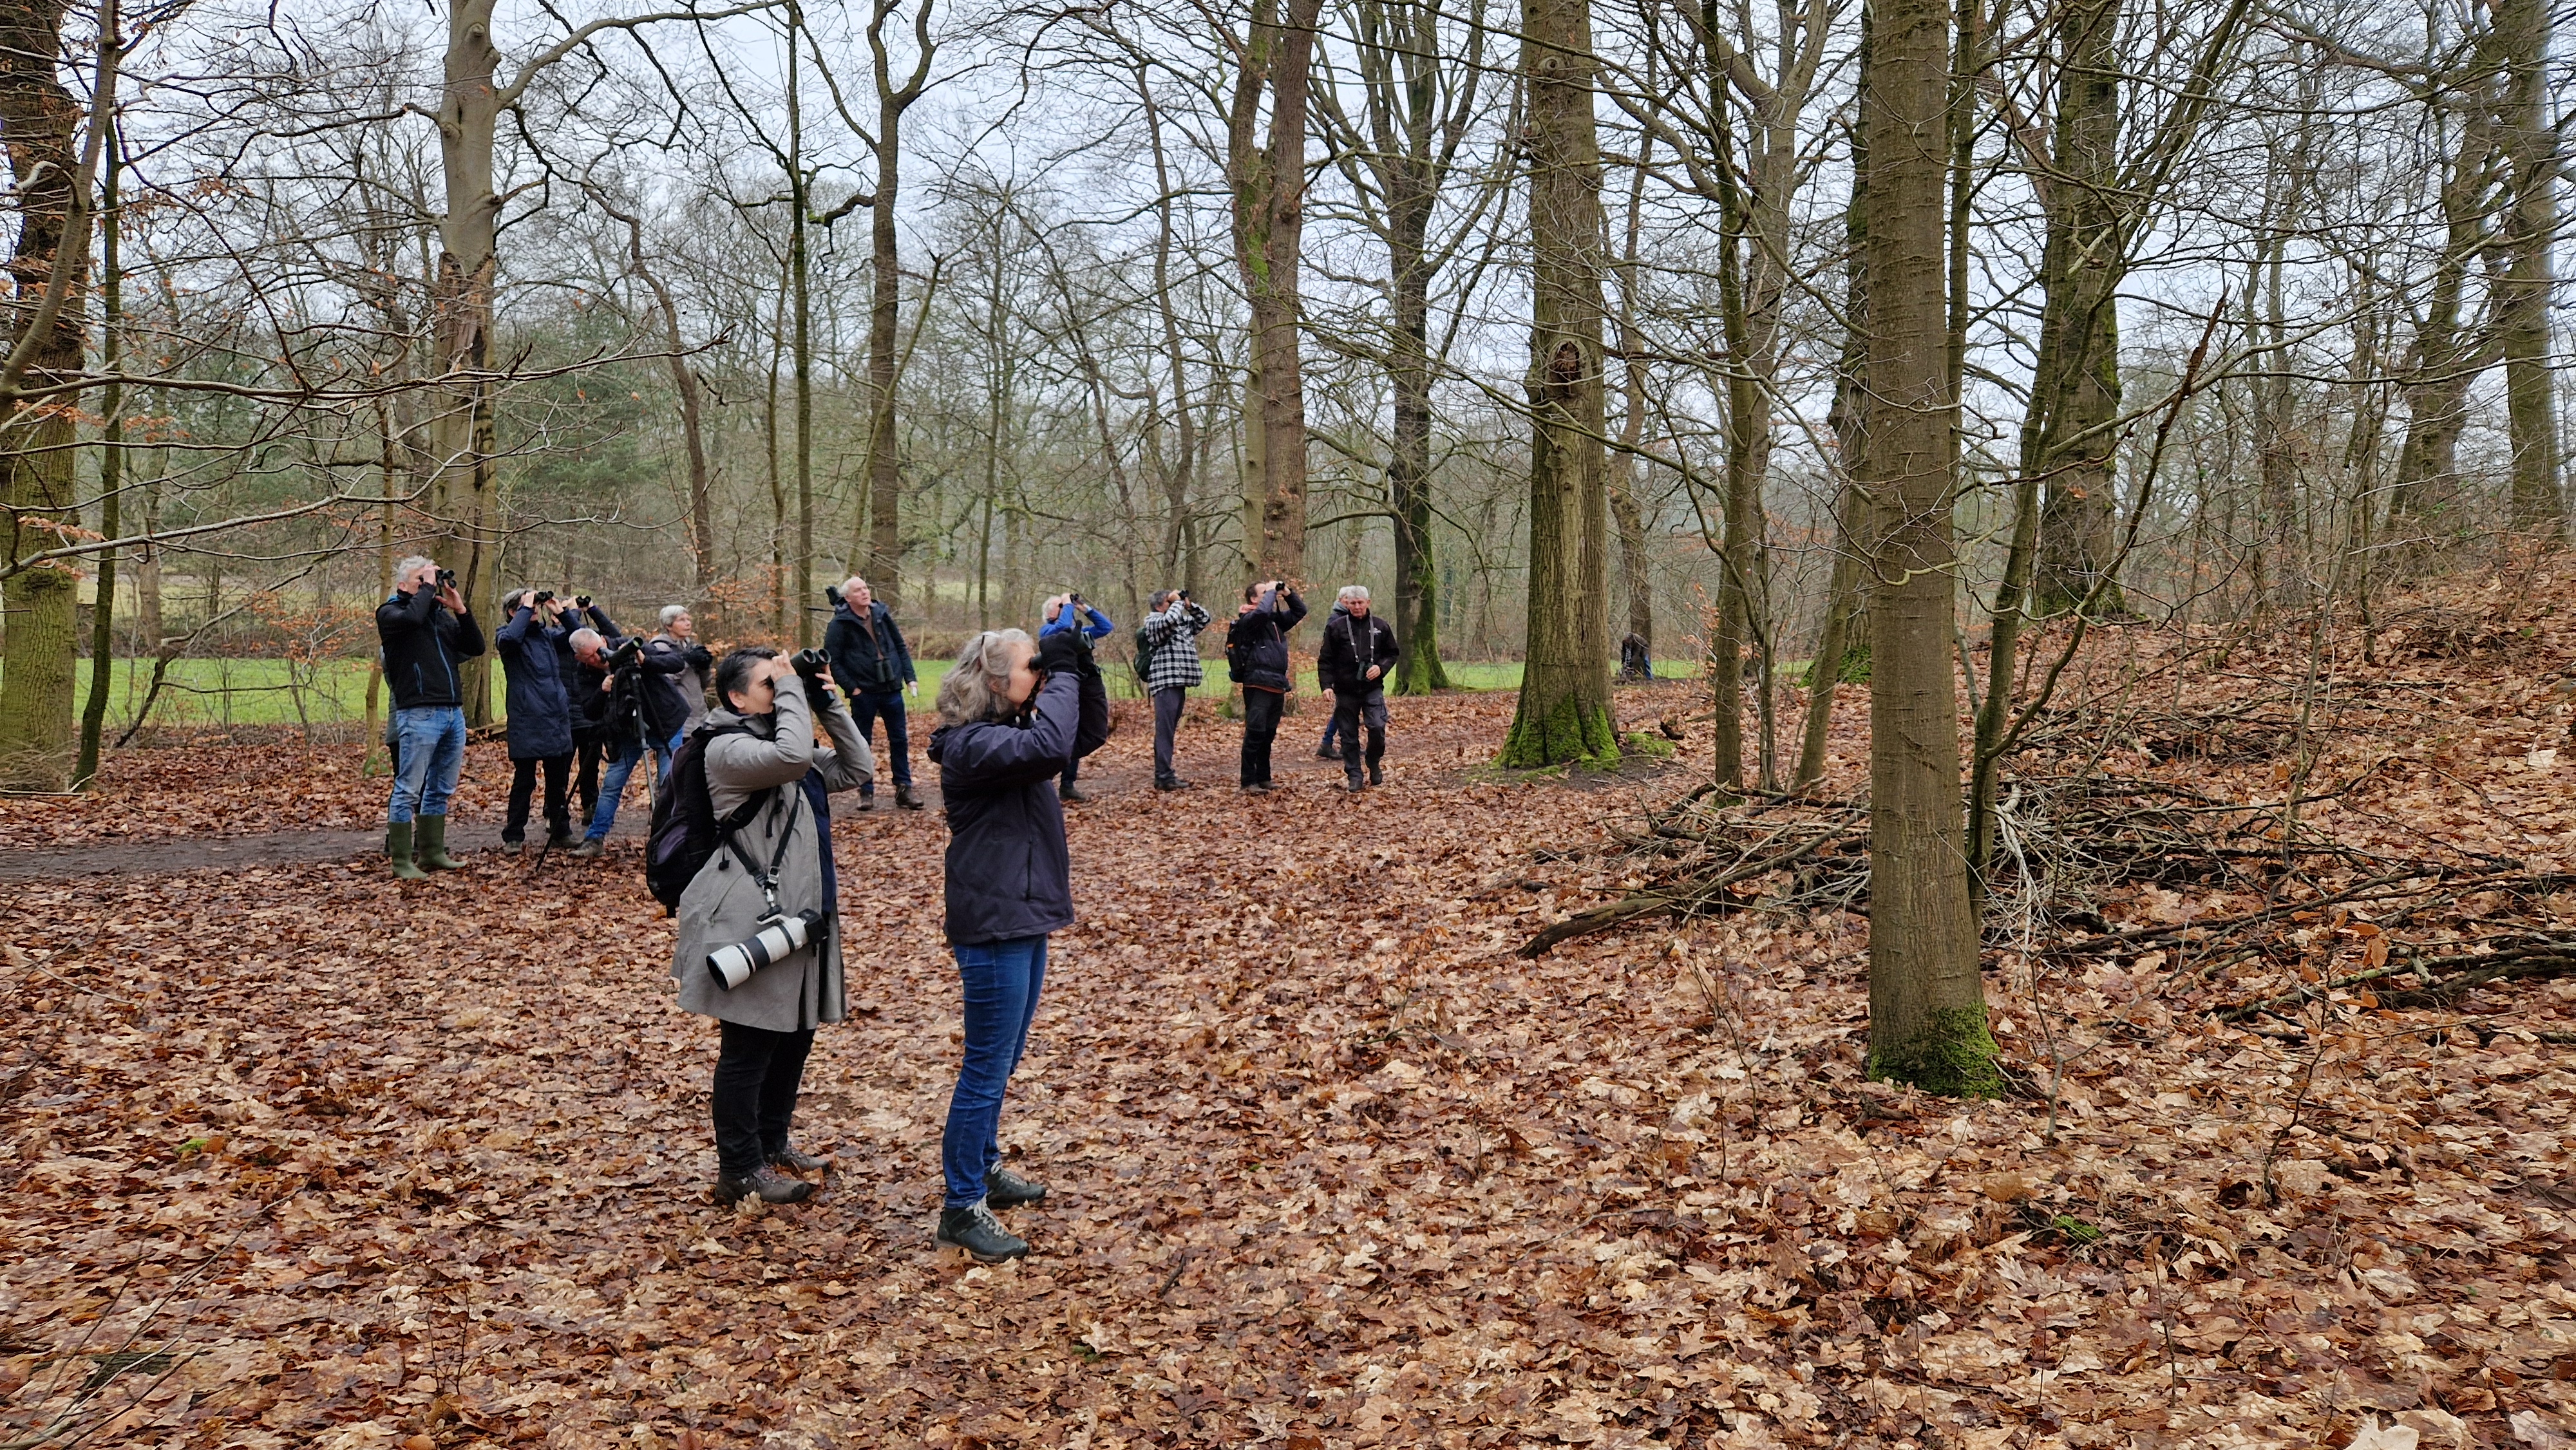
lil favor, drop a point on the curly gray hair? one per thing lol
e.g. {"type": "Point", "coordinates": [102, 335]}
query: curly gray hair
{"type": "Point", "coordinates": [973, 690]}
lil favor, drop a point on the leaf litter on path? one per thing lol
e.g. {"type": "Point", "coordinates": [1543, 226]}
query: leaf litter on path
{"type": "Point", "coordinates": [1331, 1165]}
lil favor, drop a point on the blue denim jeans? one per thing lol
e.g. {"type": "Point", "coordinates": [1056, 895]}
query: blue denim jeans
{"type": "Point", "coordinates": [612, 786]}
{"type": "Point", "coordinates": [429, 744]}
{"type": "Point", "coordinates": [664, 752]}
{"type": "Point", "coordinates": [1001, 980]}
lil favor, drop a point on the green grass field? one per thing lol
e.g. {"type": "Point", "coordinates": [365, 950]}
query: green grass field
{"type": "Point", "coordinates": [227, 692]}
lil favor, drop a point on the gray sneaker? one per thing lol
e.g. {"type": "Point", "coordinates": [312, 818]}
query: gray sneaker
{"type": "Point", "coordinates": [771, 1185]}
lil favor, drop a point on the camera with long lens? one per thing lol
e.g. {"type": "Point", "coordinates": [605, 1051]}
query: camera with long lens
{"type": "Point", "coordinates": [781, 937]}
{"type": "Point", "coordinates": [628, 650]}
{"type": "Point", "coordinates": [833, 593]}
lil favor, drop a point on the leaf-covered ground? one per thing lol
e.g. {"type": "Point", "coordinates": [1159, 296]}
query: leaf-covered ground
{"type": "Point", "coordinates": [305, 1156]}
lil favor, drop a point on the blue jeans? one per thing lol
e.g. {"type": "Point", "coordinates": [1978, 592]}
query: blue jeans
{"type": "Point", "coordinates": [429, 744]}
{"type": "Point", "coordinates": [865, 707]}
{"type": "Point", "coordinates": [664, 752]}
{"type": "Point", "coordinates": [1001, 980]}
{"type": "Point", "coordinates": [620, 767]}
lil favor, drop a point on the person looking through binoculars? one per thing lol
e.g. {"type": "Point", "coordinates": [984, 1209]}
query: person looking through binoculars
{"type": "Point", "coordinates": [1012, 715]}
{"type": "Point", "coordinates": [424, 629]}
{"type": "Point", "coordinates": [760, 939]}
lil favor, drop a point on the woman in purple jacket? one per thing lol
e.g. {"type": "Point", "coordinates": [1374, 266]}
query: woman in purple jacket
{"type": "Point", "coordinates": [1011, 715]}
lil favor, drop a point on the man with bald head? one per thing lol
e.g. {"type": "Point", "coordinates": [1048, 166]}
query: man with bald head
{"type": "Point", "coordinates": [873, 666]}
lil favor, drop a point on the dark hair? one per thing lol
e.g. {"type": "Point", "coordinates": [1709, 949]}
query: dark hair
{"type": "Point", "coordinates": [1251, 593]}
{"type": "Point", "coordinates": [733, 672]}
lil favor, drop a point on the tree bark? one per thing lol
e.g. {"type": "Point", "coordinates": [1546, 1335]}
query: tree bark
{"type": "Point", "coordinates": [40, 125]}
{"type": "Point", "coordinates": [461, 301]}
{"type": "Point", "coordinates": [2528, 229]}
{"type": "Point", "coordinates": [885, 298]}
{"type": "Point", "coordinates": [111, 471]}
{"type": "Point", "coordinates": [1266, 175]}
{"type": "Point", "coordinates": [1927, 1024]}
{"type": "Point", "coordinates": [1564, 712]}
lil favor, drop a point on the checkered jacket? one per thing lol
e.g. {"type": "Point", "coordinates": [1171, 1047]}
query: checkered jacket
{"type": "Point", "coordinates": [1173, 635]}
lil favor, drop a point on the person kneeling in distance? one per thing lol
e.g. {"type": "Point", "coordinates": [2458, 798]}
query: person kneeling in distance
{"type": "Point", "coordinates": [1010, 719]}
{"type": "Point", "coordinates": [760, 938]}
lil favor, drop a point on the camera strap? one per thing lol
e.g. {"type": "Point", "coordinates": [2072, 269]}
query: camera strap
{"type": "Point", "coordinates": [767, 880]}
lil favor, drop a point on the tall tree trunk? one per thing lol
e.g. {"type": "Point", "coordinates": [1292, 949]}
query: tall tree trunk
{"type": "Point", "coordinates": [2444, 358]}
{"type": "Point", "coordinates": [40, 124]}
{"type": "Point", "coordinates": [1564, 712]}
{"type": "Point", "coordinates": [1847, 418]}
{"type": "Point", "coordinates": [1927, 1018]}
{"type": "Point", "coordinates": [1418, 670]}
{"type": "Point", "coordinates": [1266, 174]}
{"type": "Point", "coordinates": [684, 384]}
{"type": "Point", "coordinates": [1180, 472]}
{"type": "Point", "coordinates": [1625, 512]}
{"type": "Point", "coordinates": [461, 301]}
{"type": "Point", "coordinates": [885, 298]}
{"type": "Point", "coordinates": [2529, 146]}
{"type": "Point", "coordinates": [2075, 387]}
{"type": "Point", "coordinates": [111, 468]}
{"type": "Point", "coordinates": [801, 348]}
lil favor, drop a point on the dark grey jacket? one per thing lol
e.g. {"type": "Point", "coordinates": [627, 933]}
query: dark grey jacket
{"type": "Point", "coordinates": [1009, 874]}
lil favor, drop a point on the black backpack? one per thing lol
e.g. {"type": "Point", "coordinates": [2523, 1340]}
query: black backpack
{"type": "Point", "coordinates": [1144, 659]}
{"type": "Point", "coordinates": [685, 829]}
{"type": "Point", "coordinates": [1238, 652]}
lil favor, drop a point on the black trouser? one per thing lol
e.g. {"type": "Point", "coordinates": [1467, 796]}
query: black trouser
{"type": "Point", "coordinates": [1260, 725]}
{"type": "Point", "coordinates": [586, 782]}
{"type": "Point", "coordinates": [1353, 710]}
{"type": "Point", "coordinates": [523, 784]}
{"type": "Point", "coordinates": [757, 1074]}
{"type": "Point", "coordinates": [1167, 724]}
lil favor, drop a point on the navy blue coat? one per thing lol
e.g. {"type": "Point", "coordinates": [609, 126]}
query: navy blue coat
{"type": "Point", "coordinates": [1009, 874]}
{"type": "Point", "coordinates": [540, 711]}
{"type": "Point", "coordinates": [868, 658]}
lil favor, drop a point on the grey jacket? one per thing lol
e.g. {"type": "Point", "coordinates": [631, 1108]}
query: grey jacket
{"type": "Point", "coordinates": [724, 905]}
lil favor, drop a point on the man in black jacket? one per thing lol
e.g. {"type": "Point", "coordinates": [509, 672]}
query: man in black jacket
{"type": "Point", "coordinates": [424, 630]}
{"type": "Point", "coordinates": [1358, 650]}
{"type": "Point", "coordinates": [1256, 653]}
{"type": "Point", "coordinates": [873, 666]}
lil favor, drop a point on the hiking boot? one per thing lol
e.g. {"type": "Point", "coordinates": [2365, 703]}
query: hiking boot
{"type": "Point", "coordinates": [1005, 1189]}
{"type": "Point", "coordinates": [1072, 794]}
{"type": "Point", "coordinates": [974, 1229]}
{"type": "Point", "coordinates": [1377, 776]}
{"type": "Point", "coordinates": [590, 846]}
{"type": "Point", "coordinates": [1326, 752]}
{"type": "Point", "coordinates": [398, 851]}
{"type": "Point", "coordinates": [1354, 785]}
{"type": "Point", "coordinates": [791, 1161]}
{"type": "Point", "coordinates": [905, 800]}
{"type": "Point", "coordinates": [770, 1185]}
{"type": "Point", "coordinates": [1175, 784]}
{"type": "Point", "coordinates": [1258, 787]}
{"type": "Point", "coordinates": [513, 848]}
{"type": "Point", "coordinates": [561, 841]}
{"type": "Point", "coordinates": [867, 800]}
{"type": "Point", "coordinates": [430, 841]}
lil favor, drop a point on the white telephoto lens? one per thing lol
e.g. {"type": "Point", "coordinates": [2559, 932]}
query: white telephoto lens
{"type": "Point", "coordinates": [732, 966]}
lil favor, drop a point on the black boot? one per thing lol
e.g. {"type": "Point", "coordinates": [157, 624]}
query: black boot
{"type": "Point", "coordinates": [1377, 775]}
{"type": "Point", "coordinates": [771, 1185]}
{"type": "Point", "coordinates": [905, 800]}
{"type": "Point", "coordinates": [974, 1229]}
{"type": "Point", "coordinates": [1005, 1189]}
{"type": "Point", "coordinates": [791, 1161]}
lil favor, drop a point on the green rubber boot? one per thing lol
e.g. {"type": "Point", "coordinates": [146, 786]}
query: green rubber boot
{"type": "Point", "coordinates": [433, 844]}
{"type": "Point", "coordinates": [398, 851]}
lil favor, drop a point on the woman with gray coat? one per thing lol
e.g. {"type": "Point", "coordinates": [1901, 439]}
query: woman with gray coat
{"type": "Point", "coordinates": [760, 752]}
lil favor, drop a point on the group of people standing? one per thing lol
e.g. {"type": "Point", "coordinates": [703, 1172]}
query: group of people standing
{"type": "Point", "coordinates": [1016, 716]}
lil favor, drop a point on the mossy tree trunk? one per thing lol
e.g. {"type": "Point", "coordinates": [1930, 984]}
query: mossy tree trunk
{"type": "Point", "coordinates": [1564, 711]}
{"type": "Point", "coordinates": [1927, 1019]}
{"type": "Point", "coordinates": [1266, 176]}
{"type": "Point", "coordinates": [40, 123]}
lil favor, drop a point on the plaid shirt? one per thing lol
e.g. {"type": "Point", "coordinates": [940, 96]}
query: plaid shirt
{"type": "Point", "coordinates": [1174, 637]}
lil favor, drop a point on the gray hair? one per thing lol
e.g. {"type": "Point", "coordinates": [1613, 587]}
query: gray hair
{"type": "Point", "coordinates": [405, 569]}
{"type": "Point", "coordinates": [671, 612]}
{"type": "Point", "coordinates": [853, 582]}
{"type": "Point", "coordinates": [583, 639]}
{"type": "Point", "coordinates": [1351, 592]}
{"type": "Point", "coordinates": [973, 690]}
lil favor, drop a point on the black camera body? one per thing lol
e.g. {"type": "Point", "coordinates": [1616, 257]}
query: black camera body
{"type": "Point", "coordinates": [628, 651]}
{"type": "Point", "coordinates": [833, 593]}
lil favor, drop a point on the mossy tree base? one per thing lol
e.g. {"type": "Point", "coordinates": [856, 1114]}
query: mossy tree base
{"type": "Point", "coordinates": [1571, 729]}
{"type": "Point", "coordinates": [1950, 1054]}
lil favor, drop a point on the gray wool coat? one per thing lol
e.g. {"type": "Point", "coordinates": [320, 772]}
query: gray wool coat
{"type": "Point", "coordinates": [723, 905]}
